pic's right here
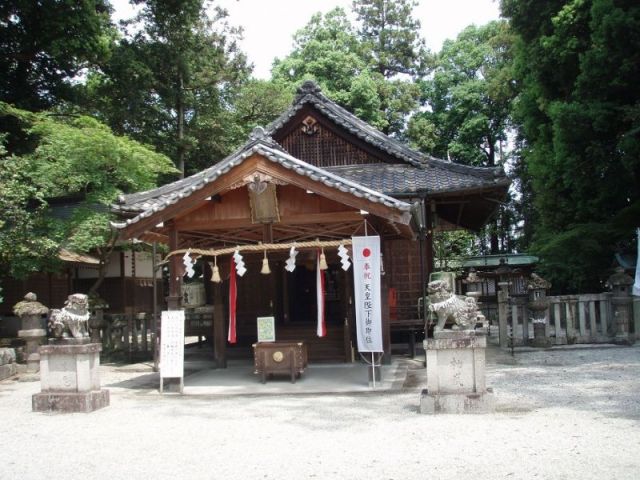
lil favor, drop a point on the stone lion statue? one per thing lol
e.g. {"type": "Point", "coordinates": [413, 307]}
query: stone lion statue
{"type": "Point", "coordinates": [72, 319]}
{"type": "Point", "coordinates": [460, 310]}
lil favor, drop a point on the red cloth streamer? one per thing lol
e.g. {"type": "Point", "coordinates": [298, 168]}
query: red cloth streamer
{"type": "Point", "coordinates": [320, 293]}
{"type": "Point", "coordinates": [233, 296]}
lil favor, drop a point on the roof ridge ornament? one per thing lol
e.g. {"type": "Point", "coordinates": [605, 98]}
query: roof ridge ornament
{"type": "Point", "coordinates": [259, 133]}
{"type": "Point", "coordinates": [309, 86]}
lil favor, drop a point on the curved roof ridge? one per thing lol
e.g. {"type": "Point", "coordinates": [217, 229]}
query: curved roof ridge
{"type": "Point", "coordinates": [157, 200]}
{"type": "Point", "coordinates": [310, 92]}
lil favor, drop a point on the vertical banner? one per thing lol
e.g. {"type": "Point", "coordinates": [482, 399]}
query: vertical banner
{"type": "Point", "coordinates": [368, 300]}
{"type": "Point", "coordinates": [172, 344]}
{"type": "Point", "coordinates": [233, 297]}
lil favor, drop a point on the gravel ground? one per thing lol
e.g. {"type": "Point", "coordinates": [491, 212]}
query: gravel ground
{"type": "Point", "coordinates": [562, 414]}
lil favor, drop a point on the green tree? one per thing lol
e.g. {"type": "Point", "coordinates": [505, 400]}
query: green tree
{"type": "Point", "coordinates": [47, 157]}
{"type": "Point", "coordinates": [468, 98]}
{"type": "Point", "coordinates": [330, 50]}
{"type": "Point", "coordinates": [578, 62]}
{"type": "Point", "coordinates": [44, 45]}
{"type": "Point", "coordinates": [390, 36]}
{"type": "Point", "coordinates": [467, 110]}
{"type": "Point", "coordinates": [171, 84]}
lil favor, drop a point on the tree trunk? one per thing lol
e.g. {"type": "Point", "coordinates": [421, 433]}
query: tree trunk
{"type": "Point", "coordinates": [180, 109]}
{"type": "Point", "coordinates": [105, 254]}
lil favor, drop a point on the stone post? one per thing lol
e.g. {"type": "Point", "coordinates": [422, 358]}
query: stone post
{"type": "Point", "coordinates": [503, 313]}
{"type": "Point", "coordinates": [539, 306]}
{"type": "Point", "coordinates": [622, 303]}
{"type": "Point", "coordinates": [30, 312]}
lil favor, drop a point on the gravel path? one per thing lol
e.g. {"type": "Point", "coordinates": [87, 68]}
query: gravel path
{"type": "Point", "coordinates": [561, 415]}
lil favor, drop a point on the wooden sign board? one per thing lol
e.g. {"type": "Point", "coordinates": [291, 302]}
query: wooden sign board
{"type": "Point", "coordinates": [172, 346]}
{"type": "Point", "coordinates": [266, 329]}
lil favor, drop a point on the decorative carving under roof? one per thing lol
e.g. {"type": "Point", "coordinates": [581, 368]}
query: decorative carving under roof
{"type": "Point", "coordinates": [310, 125]}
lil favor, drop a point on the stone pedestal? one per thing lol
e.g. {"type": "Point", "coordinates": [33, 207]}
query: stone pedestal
{"type": "Point", "coordinates": [69, 378]}
{"type": "Point", "coordinates": [456, 374]}
{"type": "Point", "coordinates": [32, 338]}
{"type": "Point", "coordinates": [540, 339]}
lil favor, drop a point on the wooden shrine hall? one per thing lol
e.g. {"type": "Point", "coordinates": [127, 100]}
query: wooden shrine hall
{"type": "Point", "coordinates": [314, 178]}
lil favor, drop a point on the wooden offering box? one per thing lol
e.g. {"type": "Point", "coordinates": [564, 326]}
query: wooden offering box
{"type": "Point", "coordinates": [279, 357]}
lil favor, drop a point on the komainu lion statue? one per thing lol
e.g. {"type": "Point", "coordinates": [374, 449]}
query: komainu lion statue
{"type": "Point", "coordinates": [72, 319]}
{"type": "Point", "coordinates": [459, 310]}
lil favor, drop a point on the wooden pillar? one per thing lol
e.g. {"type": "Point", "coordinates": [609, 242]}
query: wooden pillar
{"type": "Point", "coordinates": [219, 324]}
{"type": "Point", "coordinates": [173, 300]}
{"type": "Point", "coordinates": [428, 243]}
{"type": "Point", "coordinates": [347, 304]}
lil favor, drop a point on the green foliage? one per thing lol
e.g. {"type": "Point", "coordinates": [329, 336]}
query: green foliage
{"type": "Point", "coordinates": [578, 62]}
{"type": "Point", "coordinates": [468, 99]}
{"type": "Point", "coordinates": [450, 248]}
{"type": "Point", "coordinates": [360, 69]}
{"type": "Point", "coordinates": [45, 44]}
{"type": "Point", "coordinates": [170, 84]}
{"type": "Point", "coordinates": [72, 157]}
{"type": "Point", "coordinates": [389, 34]}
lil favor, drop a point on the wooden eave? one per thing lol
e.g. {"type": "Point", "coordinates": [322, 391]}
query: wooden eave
{"type": "Point", "coordinates": [147, 227]}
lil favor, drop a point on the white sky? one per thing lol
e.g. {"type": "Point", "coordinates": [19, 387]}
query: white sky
{"type": "Point", "coordinates": [269, 25]}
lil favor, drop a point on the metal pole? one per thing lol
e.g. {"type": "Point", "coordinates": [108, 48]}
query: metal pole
{"type": "Point", "coordinates": [373, 371]}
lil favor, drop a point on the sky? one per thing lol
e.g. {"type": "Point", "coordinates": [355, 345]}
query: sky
{"type": "Point", "coordinates": [269, 25]}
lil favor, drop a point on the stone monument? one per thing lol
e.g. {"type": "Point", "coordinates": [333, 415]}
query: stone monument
{"type": "Point", "coordinates": [69, 364]}
{"type": "Point", "coordinates": [30, 312]}
{"type": "Point", "coordinates": [455, 356]}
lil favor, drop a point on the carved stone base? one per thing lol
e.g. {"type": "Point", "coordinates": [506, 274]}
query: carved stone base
{"type": "Point", "coordinates": [456, 374]}
{"type": "Point", "coordinates": [457, 402]}
{"type": "Point", "coordinates": [69, 377]}
{"type": "Point", "coordinates": [70, 402]}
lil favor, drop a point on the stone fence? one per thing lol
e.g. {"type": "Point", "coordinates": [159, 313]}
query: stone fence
{"type": "Point", "coordinates": [570, 319]}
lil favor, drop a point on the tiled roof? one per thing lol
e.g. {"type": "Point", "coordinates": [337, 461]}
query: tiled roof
{"type": "Point", "coordinates": [443, 175]}
{"type": "Point", "coordinates": [145, 204]}
{"type": "Point", "coordinates": [434, 177]}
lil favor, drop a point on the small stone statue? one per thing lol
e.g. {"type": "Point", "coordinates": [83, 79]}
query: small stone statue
{"type": "Point", "coordinates": [460, 310]}
{"type": "Point", "coordinates": [72, 320]}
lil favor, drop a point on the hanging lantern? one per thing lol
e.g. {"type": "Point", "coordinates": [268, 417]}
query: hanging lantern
{"type": "Point", "coordinates": [265, 265]}
{"type": "Point", "coordinates": [215, 271]}
{"type": "Point", "coordinates": [323, 261]}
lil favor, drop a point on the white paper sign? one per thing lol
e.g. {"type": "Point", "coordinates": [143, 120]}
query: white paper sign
{"type": "Point", "coordinates": [172, 344]}
{"type": "Point", "coordinates": [366, 280]}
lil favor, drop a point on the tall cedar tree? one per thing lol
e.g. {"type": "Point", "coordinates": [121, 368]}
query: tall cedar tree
{"type": "Point", "coordinates": [365, 68]}
{"type": "Point", "coordinates": [171, 83]}
{"type": "Point", "coordinates": [578, 63]}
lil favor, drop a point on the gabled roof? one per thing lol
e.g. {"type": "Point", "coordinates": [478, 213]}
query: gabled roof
{"type": "Point", "coordinates": [145, 204]}
{"type": "Point", "coordinates": [451, 175]}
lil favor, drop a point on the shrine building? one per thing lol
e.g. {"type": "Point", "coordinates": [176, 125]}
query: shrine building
{"type": "Point", "coordinates": [312, 179]}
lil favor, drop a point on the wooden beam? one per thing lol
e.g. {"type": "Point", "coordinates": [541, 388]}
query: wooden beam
{"type": "Point", "coordinates": [173, 301]}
